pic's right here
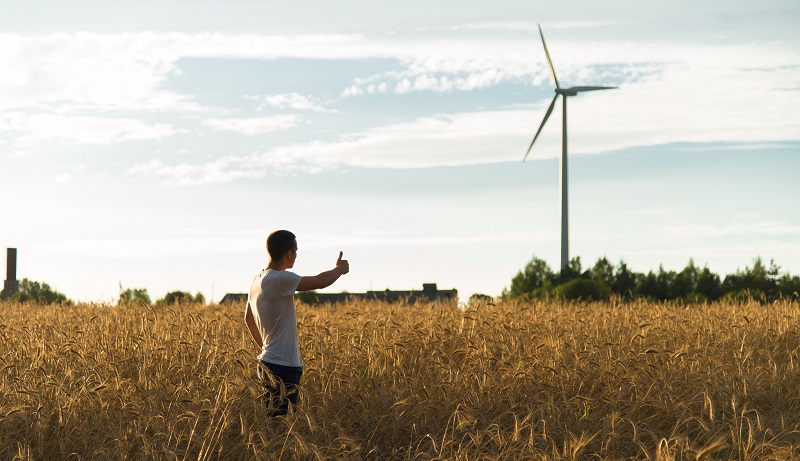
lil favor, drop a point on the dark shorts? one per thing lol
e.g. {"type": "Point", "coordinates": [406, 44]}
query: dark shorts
{"type": "Point", "coordinates": [281, 386]}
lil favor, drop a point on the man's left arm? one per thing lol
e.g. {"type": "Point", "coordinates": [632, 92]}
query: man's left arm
{"type": "Point", "coordinates": [251, 325]}
{"type": "Point", "coordinates": [324, 279]}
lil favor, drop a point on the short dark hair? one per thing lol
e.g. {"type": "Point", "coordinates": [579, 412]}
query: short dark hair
{"type": "Point", "coordinates": [279, 242]}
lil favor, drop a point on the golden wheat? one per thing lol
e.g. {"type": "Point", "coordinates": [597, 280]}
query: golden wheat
{"type": "Point", "coordinates": [513, 381]}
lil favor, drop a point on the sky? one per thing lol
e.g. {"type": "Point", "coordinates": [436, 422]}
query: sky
{"type": "Point", "coordinates": [156, 144]}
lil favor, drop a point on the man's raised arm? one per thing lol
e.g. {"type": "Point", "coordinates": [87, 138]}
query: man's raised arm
{"type": "Point", "coordinates": [325, 279]}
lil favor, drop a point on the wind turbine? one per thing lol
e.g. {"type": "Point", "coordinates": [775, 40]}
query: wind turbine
{"type": "Point", "coordinates": [563, 185]}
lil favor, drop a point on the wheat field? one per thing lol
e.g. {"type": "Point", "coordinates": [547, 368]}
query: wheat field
{"type": "Point", "coordinates": [545, 380]}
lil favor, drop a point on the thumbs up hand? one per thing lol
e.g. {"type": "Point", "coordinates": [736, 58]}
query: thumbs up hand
{"type": "Point", "coordinates": [342, 264]}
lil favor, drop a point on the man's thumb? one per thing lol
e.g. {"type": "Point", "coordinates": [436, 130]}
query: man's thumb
{"type": "Point", "coordinates": [340, 257]}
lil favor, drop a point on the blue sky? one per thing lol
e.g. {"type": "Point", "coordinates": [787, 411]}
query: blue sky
{"type": "Point", "coordinates": [157, 145]}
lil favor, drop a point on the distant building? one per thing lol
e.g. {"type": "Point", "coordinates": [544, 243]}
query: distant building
{"type": "Point", "coordinates": [11, 285]}
{"type": "Point", "coordinates": [428, 293]}
{"type": "Point", "coordinates": [238, 298]}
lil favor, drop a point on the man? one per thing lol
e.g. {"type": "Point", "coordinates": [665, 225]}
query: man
{"type": "Point", "coordinates": [271, 319]}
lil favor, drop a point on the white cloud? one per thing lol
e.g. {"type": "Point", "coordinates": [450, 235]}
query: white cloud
{"type": "Point", "coordinates": [253, 126]}
{"type": "Point", "coordinates": [484, 137]}
{"type": "Point", "coordinates": [598, 122]}
{"type": "Point", "coordinates": [764, 228]}
{"type": "Point", "coordinates": [731, 254]}
{"type": "Point", "coordinates": [440, 84]}
{"type": "Point", "coordinates": [668, 93]}
{"type": "Point", "coordinates": [31, 130]}
{"type": "Point", "coordinates": [126, 71]}
{"type": "Point", "coordinates": [359, 239]}
{"type": "Point", "coordinates": [68, 175]}
{"type": "Point", "coordinates": [528, 26]}
{"type": "Point", "coordinates": [146, 248]}
{"type": "Point", "coordinates": [294, 101]}
{"type": "Point", "coordinates": [191, 242]}
{"type": "Point", "coordinates": [637, 114]}
{"type": "Point", "coordinates": [222, 170]}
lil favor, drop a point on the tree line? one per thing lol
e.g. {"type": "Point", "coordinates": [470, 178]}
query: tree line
{"type": "Point", "coordinates": [538, 281]}
{"type": "Point", "coordinates": [42, 293]}
{"type": "Point", "coordinates": [692, 284]}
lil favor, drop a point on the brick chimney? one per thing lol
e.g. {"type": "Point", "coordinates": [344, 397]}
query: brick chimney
{"type": "Point", "coordinates": [11, 284]}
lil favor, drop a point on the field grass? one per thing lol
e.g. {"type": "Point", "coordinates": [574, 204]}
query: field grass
{"type": "Point", "coordinates": [512, 381]}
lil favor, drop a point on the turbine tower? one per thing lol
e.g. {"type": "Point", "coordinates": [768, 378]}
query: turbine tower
{"type": "Point", "coordinates": [563, 177]}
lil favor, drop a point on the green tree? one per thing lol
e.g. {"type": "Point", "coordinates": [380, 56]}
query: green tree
{"type": "Point", "coordinates": [709, 284]}
{"type": "Point", "coordinates": [603, 271]}
{"type": "Point", "coordinates": [534, 275]}
{"type": "Point", "coordinates": [685, 283]}
{"type": "Point", "coordinates": [691, 284]}
{"type": "Point", "coordinates": [133, 295]}
{"type": "Point", "coordinates": [789, 286]}
{"type": "Point", "coordinates": [659, 285]}
{"type": "Point", "coordinates": [647, 286]}
{"type": "Point", "coordinates": [571, 271]}
{"type": "Point", "coordinates": [40, 293]}
{"type": "Point", "coordinates": [759, 280]}
{"type": "Point", "coordinates": [666, 281]}
{"type": "Point", "coordinates": [180, 297]}
{"type": "Point", "coordinates": [625, 280]}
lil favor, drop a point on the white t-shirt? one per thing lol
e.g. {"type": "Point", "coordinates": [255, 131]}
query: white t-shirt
{"type": "Point", "coordinates": [271, 299]}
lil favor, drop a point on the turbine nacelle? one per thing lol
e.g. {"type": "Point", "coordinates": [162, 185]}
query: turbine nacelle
{"type": "Point", "coordinates": [579, 89]}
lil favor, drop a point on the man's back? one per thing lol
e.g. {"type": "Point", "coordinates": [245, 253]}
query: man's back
{"type": "Point", "coordinates": [271, 300]}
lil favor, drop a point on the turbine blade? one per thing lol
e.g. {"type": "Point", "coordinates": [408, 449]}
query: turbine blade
{"type": "Point", "coordinates": [547, 53]}
{"type": "Point", "coordinates": [546, 116]}
{"type": "Point", "coordinates": [578, 89]}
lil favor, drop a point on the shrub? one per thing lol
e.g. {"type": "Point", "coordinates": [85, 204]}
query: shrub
{"type": "Point", "coordinates": [39, 293]}
{"type": "Point", "coordinates": [789, 286]}
{"type": "Point", "coordinates": [307, 297]}
{"type": "Point", "coordinates": [134, 295]}
{"type": "Point", "coordinates": [181, 297]}
{"type": "Point", "coordinates": [694, 298]}
{"type": "Point", "coordinates": [744, 295]}
{"type": "Point", "coordinates": [480, 298]}
{"type": "Point", "coordinates": [583, 289]}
